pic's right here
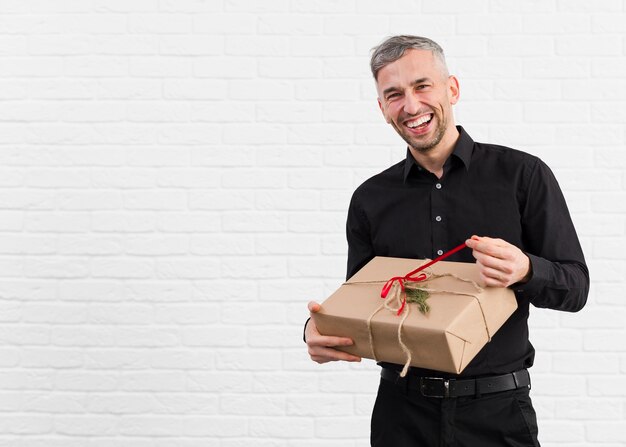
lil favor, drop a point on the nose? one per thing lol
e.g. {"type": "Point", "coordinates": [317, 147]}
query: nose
{"type": "Point", "coordinates": [411, 104]}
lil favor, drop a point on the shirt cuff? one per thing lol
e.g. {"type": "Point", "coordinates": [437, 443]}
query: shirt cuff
{"type": "Point", "coordinates": [538, 279]}
{"type": "Point", "coordinates": [304, 330]}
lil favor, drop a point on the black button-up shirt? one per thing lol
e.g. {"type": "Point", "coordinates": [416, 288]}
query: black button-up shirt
{"type": "Point", "coordinates": [487, 190]}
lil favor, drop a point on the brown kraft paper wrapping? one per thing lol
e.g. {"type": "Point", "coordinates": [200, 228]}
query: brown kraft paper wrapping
{"type": "Point", "coordinates": [447, 338]}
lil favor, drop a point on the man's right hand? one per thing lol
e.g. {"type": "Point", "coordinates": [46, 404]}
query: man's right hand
{"type": "Point", "coordinates": [322, 347]}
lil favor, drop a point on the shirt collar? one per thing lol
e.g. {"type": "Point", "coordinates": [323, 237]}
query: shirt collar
{"type": "Point", "coordinates": [462, 151]}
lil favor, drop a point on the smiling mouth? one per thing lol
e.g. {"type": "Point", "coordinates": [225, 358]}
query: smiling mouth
{"type": "Point", "coordinates": [419, 123]}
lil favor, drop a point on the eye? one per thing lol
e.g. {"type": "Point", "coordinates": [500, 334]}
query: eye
{"type": "Point", "coordinates": [393, 96]}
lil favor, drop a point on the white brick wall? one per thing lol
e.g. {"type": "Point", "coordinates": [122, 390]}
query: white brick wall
{"type": "Point", "coordinates": [174, 176]}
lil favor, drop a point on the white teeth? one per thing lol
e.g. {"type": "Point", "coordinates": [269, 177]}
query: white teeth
{"type": "Point", "coordinates": [419, 121]}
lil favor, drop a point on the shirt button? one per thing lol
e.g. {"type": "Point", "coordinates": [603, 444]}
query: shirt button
{"type": "Point", "coordinates": [438, 218]}
{"type": "Point", "coordinates": [439, 252]}
{"type": "Point", "coordinates": [438, 185]}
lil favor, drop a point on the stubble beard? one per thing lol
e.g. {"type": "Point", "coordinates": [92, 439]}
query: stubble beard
{"type": "Point", "coordinates": [422, 146]}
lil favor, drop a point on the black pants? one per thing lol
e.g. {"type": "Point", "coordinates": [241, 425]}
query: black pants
{"type": "Point", "coordinates": [403, 418]}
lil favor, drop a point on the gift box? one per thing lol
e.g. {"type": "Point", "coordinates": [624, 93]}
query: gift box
{"type": "Point", "coordinates": [458, 320]}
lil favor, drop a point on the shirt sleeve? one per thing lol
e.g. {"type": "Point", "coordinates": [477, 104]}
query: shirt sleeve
{"type": "Point", "coordinates": [560, 278]}
{"type": "Point", "coordinates": [358, 234]}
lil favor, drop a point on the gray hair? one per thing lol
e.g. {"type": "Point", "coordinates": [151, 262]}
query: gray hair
{"type": "Point", "coordinates": [393, 48]}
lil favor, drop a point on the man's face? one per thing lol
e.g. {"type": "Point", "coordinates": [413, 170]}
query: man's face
{"type": "Point", "coordinates": [416, 96]}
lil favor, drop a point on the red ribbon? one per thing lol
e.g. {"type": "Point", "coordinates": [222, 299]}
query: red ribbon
{"type": "Point", "coordinates": [421, 277]}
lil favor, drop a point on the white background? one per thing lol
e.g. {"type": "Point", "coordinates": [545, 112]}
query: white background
{"type": "Point", "coordinates": [174, 178]}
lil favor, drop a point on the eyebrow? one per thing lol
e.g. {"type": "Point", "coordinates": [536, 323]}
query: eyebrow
{"type": "Point", "coordinates": [417, 81]}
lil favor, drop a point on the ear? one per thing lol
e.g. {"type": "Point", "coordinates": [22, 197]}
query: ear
{"type": "Point", "coordinates": [454, 92]}
{"type": "Point", "coordinates": [382, 109]}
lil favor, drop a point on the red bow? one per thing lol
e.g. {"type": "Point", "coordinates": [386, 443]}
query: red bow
{"type": "Point", "coordinates": [409, 276]}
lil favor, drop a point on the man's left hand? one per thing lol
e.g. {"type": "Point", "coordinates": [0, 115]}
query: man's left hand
{"type": "Point", "coordinates": [500, 264]}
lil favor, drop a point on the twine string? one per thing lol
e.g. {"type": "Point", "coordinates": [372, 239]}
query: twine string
{"type": "Point", "coordinates": [400, 308]}
{"type": "Point", "coordinates": [397, 286]}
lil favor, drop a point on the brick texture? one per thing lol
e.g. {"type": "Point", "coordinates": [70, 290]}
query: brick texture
{"type": "Point", "coordinates": [174, 177]}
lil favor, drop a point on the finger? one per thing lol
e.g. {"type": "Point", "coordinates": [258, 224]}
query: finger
{"type": "Point", "coordinates": [493, 283]}
{"type": "Point", "coordinates": [314, 307]}
{"type": "Point", "coordinates": [489, 271]}
{"type": "Point", "coordinates": [490, 240]}
{"type": "Point", "coordinates": [329, 341]}
{"type": "Point", "coordinates": [491, 249]}
{"type": "Point", "coordinates": [496, 248]}
{"type": "Point", "coordinates": [323, 355]}
{"type": "Point", "coordinates": [493, 277]}
{"type": "Point", "coordinates": [472, 241]}
{"type": "Point", "coordinates": [488, 261]}
{"type": "Point", "coordinates": [488, 281]}
{"type": "Point", "coordinates": [329, 356]}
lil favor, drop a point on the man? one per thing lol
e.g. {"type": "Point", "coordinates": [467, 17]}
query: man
{"type": "Point", "coordinates": [448, 190]}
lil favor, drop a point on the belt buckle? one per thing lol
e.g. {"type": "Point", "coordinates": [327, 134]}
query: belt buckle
{"type": "Point", "coordinates": [444, 382]}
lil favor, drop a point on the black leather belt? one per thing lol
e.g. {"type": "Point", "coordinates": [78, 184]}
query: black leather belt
{"type": "Point", "coordinates": [445, 388]}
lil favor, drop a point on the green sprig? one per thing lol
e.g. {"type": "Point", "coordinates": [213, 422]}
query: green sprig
{"type": "Point", "coordinates": [418, 296]}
